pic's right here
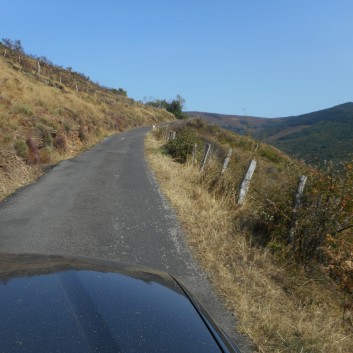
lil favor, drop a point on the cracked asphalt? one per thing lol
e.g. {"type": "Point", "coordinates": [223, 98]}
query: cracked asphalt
{"type": "Point", "coordinates": [106, 203]}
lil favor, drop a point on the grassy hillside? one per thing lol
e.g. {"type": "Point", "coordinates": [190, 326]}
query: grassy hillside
{"type": "Point", "coordinates": [241, 124]}
{"type": "Point", "coordinates": [314, 137]}
{"type": "Point", "coordinates": [48, 113]}
{"type": "Point", "coordinates": [288, 295]}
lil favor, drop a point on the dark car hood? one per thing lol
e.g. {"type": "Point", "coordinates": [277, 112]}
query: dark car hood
{"type": "Point", "coordinates": [62, 304]}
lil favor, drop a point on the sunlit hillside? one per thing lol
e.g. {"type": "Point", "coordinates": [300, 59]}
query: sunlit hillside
{"type": "Point", "coordinates": [48, 113]}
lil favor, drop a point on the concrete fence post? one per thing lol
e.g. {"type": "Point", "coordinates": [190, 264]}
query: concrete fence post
{"type": "Point", "coordinates": [226, 161]}
{"type": "Point", "coordinates": [207, 152]}
{"type": "Point", "coordinates": [194, 151]}
{"type": "Point", "coordinates": [172, 135]}
{"type": "Point", "coordinates": [244, 187]}
{"type": "Point", "coordinates": [297, 204]}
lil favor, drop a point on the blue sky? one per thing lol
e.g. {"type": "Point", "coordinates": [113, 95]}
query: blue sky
{"type": "Point", "coordinates": [265, 58]}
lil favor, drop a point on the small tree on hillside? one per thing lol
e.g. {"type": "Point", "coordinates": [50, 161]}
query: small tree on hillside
{"type": "Point", "coordinates": [175, 106]}
{"type": "Point", "coordinates": [14, 45]}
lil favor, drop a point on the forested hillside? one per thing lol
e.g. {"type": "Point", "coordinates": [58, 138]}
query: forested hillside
{"type": "Point", "coordinates": [325, 135]}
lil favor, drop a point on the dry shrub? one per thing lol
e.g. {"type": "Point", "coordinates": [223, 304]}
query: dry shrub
{"type": "Point", "coordinates": [83, 132]}
{"type": "Point", "coordinates": [45, 154]}
{"type": "Point", "coordinates": [33, 150]}
{"type": "Point", "coordinates": [338, 256]}
{"type": "Point", "coordinates": [116, 123]}
{"type": "Point", "coordinates": [326, 208]}
{"type": "Point", "coordinates": [45, 135]}
{"type": "Point", "coordinates": [60, 143]}
{"type": "Point", "coordinates": [161, 133]}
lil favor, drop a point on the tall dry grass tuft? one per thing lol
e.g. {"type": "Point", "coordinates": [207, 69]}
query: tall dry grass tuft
{"type": "Point", "coordinates": [282, 308]}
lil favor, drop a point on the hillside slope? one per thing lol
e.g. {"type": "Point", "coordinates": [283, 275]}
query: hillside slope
{"type": "Point", "coordinates": [52, 113]}
{"type": "Point", "coordinates": [314, 137]}
{"type": "Point", "coordinates": [288, 294]}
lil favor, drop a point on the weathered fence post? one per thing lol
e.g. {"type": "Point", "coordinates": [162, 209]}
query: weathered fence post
{"type": "Point", "coordinates": [297, 204]}
{"type": "Point", "coordinates": [60, 80]}
{"type": "Point", "coordinates": [226, 161]}
{"type": "Point", "coordinates": [207, 152]}
{"type": "Point", "coordinates": [172, 135]}
{"type": "Point", "coordinates": [244, 187]}
{"type": "Point", "coordinates": [38, 68]}
{"type": "Point", "coordinates": [194, 150]}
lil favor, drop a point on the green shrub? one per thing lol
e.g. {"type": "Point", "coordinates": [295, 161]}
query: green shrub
{"type": "Point", "coordinates": [181, 147]}
{"type": "Point", "coordinates": [22, 109]}
{"type": "Point", "coordinates": [175, 106]}
{"type": "Point", "coordinates": [21, 148]}
{"type": "Point", "coordinates": [45, 135]}
{"type": "Point", "coordinates": [67, 127]}
{"type": "Point", "coordinates": [48, 140]}
{"type": "Point", "coordinates": [270, 154]}
{"type": "Point", "coordinates": [6, 138]}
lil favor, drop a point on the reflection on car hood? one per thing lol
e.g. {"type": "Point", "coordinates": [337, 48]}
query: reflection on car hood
{"type": "Point", "coordinates": [62, 304]}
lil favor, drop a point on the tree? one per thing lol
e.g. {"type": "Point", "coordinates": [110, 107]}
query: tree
{"type": "Point", "coordinates": [17, 47]}
{"type": "Point", "coordinates": [7, 43]}
{"type": "Point", "coordinates": [14, 45]}
{"type": "Point", "coordinates": [175, 106]}
{"type": "Point", "coordinates": [120, 91]}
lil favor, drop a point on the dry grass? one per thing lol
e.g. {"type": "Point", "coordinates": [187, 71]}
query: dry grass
{"type": "Point", "coordinates": [32, 107]}
{"type": "Point", "coordinates": [281, 308]}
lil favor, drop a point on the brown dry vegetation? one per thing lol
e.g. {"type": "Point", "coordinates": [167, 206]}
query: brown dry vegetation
{"type": "Point", "coordinates": [45, 119]}
{"type": "Point", "coordinates": [281, 306]}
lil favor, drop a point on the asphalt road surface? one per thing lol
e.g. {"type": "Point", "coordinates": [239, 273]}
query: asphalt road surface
{"type": "Point", "coordinates": [106, 203]}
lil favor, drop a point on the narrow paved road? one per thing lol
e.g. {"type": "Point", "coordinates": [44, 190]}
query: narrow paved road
{"type": "Point", "coordinates": [106, 203]}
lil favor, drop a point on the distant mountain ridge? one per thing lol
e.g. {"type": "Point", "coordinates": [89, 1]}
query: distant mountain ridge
{"type": "Point", "coordinates": [315, 137]}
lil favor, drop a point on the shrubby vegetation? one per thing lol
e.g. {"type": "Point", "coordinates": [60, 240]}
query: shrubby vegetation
{"type": "Point", "coordinates": [119, 91]}
{"type": "Point", "coordinates": [181, 147]}
{"type": "Point", "coordinates": [279, 290]}
{"type": "Point", "coordinates": [322, 226]}
{"type": "Point", "coordinates": [175, 106]}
